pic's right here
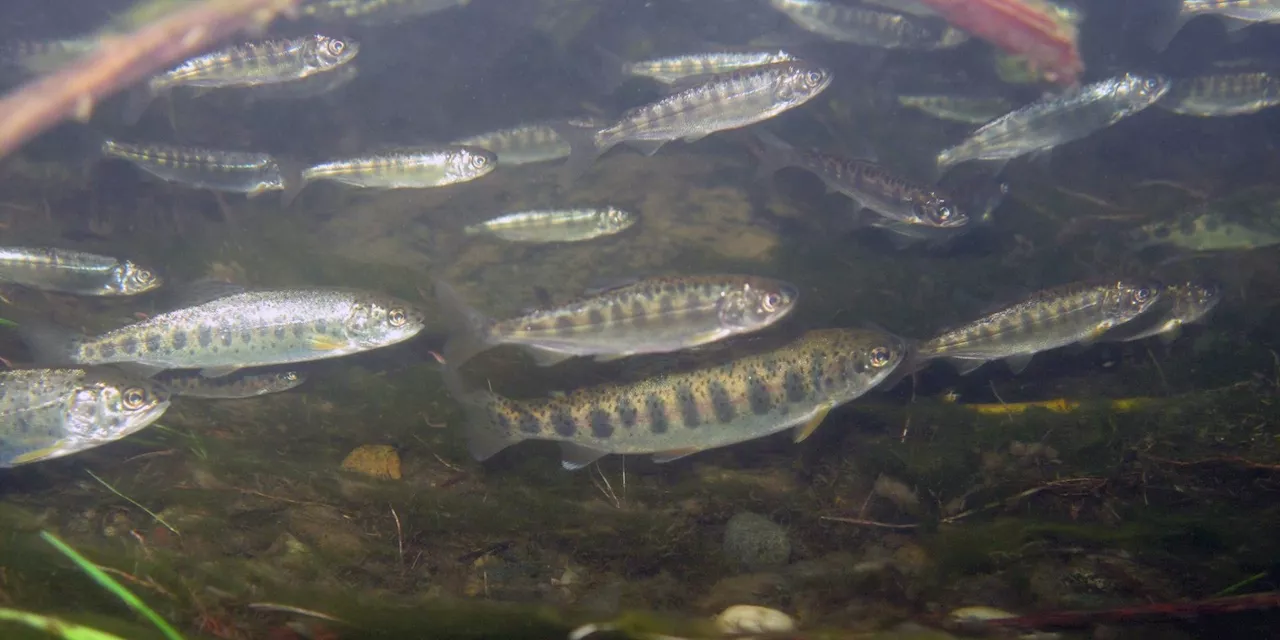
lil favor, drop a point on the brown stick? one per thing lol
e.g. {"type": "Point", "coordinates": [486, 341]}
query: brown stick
{"type": "Point", "coordinates": [119, 61]}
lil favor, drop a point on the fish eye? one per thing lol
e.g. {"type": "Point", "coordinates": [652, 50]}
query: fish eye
{"type": "Point", "coordinates": [143, 276]}
{"type": "Point", "coordinates": [1151, 84]}
{"type": "Point", "coordinates": [336, 47]}
{"type": "Point", "coordinates": [479, 162]}
{"type": "Point", "coordinates": [879, 357]}
{"type": "Point", "coordinates": [397, 317]}
{"type": "Point", "coordinates": [945, 213]}
{"type": "Point", "coordinates": [1142, 294]}
{"type": "Point", "coordinates": [134, 398]}
{"type": "Point", "coordinates": [771, 302]}
{"type": "Point", "coordinates": [814, 77]}
{"type": "Point", "coordinates": [291, 376]}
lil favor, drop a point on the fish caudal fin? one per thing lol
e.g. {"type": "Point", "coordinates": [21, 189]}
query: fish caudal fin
{"type": "Point", "coordinates": [583, 147]}
{"type": "Point", "coordinates": [484, 438]}
{"type": "Point", "coordinates": [292, 179]}
{"type": "Point", "coordinates": [468, 328]}
{"type": "Point", "coordinates": [50, 344]}
{"type": "Point", "coordinates": [136, 103]}
{"type": "Point", "coordinates": [612, 71]}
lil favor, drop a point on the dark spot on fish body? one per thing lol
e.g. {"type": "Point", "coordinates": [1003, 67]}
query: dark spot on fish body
{"type": "Point", "coordinates": [666, 306]}
{"type": "Point", "coordinates": [321, 327]}
{"type": "Point", "coordinates": [1187, 226]}
{"type": "Point", "coordinates": [564, 326]}
{"type": "Point", "coordinates": [639, 314]}
{"type": "Point", "coordinates": [246, 336]}
{"type": "Point", "coordinates": [722, 403]}
{"type": "Point", "coordinates": [616, 313]}
{"type": "Point", "coordinates": [1212, 224]}
{"type": "Point", "coordinates": [501, 419]}
{"type": "Point", "coordinates": [155, 342]}
{"type": "Point", "coordinates": [793, 382]}
{"type": "Point", "coordinates": [1162, 231]}
{"type": "Point", "coordinates": [563, 423]}
{"type": "Point", "coordinates": [225, 335]}
{"type": "Point", "coordinates": [818, 372]}
{"type": "Point", "coordinates": [299, 331]}
{"type": "Point", "coordinates": [688, 405]}
{"type": "Point", "coordinates": [601, 423]}
{"type": "Point", "coordinates": [627, 412]}
{"type": "Point", "coordinates": [280, 333]}
{"type": "Point", "coordinates": [656, 410]}
{"type": "Point", "coordinates": [87, 351]}
{"type": "Point", "coordinates": [205, 337]}
{"type": "Point", "coordinates": [178, 339]}
{"type": "Point", "coordinates": [108, 350]}
{"type": "Point", "coordinates": [129, 345]}
{"type": "Point", "coordinates": [529, 423]}
{"type": "Point", "coordinates": [595, 317]}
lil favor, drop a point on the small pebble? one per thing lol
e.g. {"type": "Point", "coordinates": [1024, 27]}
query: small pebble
{"type": "Point", "coordinates": [375, 461]}
{"type": "Point", "coordinates": [748, 618]}
{"type": "Point", "coordinates": [755, 543]}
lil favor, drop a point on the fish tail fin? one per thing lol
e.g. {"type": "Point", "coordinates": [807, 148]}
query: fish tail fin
{"type": "Point", "coordinates": [136, 103]}
{"type": "Point", "coordinates": [50, 344]}
{"type": "Point", "coordinates": [612, 71]}
{"type": "Point", "coordinates": [771, 153]}
{"type": "Point", "coordinates": [292, 178]}
{"type": "Point", "coordinates": [468, 328]}
{"type": "Point", "coordinates": [584, 147]}
{"type": "Point", "coordinates": [485, 438]}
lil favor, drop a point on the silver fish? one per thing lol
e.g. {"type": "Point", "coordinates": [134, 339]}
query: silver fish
{"type": "Point", "coordinates": [243, 329]}
{"type": "Point", "coordinates": [236, 385]}
{"type": "Point", "coordinates": [246, 172]}
{"type": "Point", "coordinates": [569, 225]}
{"type": "Point", "coordinates": [50, 413]}
{"type": "Point", "coordinates": [1079, 312]}
{"type": "Point", "coordinates": [869, 27]}
{"type": "Point", "coordinates": [416, 169]}
{"type": "Point", "coordinates": [1050, 122]}
{"type": "Point", "coordinates": [1223, 94]}
{"type": "Point", "coordinates": [521, 144]}
{"type": "Point", "coordinates": [1235, 14]}
{"type": "Point", "coordinates": [966, 109]}
{"type": "Point", "coordinates": [726, 102]}
{"type": "Point", "coordinates": [656, 315]}
{"type": "Point", "coordinates": [76, 272]}
{"type": "Point", "coordinates": [1181, 303]}
{"type": "Point", "coordinates": [677, 414]}
{"type": "Point", "coordinates": [246, 65]}
{"type": "Point", "coordinates": [312, 86]}
{"type": "Point", "coordinates": [375, 12]}
{"type": "Point", "coordinates": [677, 69]}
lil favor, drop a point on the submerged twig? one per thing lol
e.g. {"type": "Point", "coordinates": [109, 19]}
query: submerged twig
{"type": "Point", "coordinates": [606, 488]}
{"type": "Point", "coordinates": [288, 608]}
{"type": "Point", "coordinates": [133, 502]}
{"type": "Point", "coordinates": [399, 536]}
{"type": "Point", "coordinates": [121, 60]}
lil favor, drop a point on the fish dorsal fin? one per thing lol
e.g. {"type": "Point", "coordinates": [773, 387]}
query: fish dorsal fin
{"type": "Point", "coordinates": [576, 456]}
{"type": "Point", "coordinates": [200, 292]}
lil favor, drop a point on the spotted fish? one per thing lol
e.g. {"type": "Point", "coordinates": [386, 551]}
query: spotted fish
{"type": "Point", "coordinates": [236, 385]}
{"type": "Point", "coordinates": [521, 144]}
{"type": "Point", "coordinates": [246, 172]}
{"type": "Point", "coordinates": [1181, 303]}
{"type": "Point", "coordinates": [656, 315]}
{"type": "Point", "coordinates": [416, 169]}
{"type": "Point", "coordinates": [247, 65]}
{"type": "Point", "coordinates": [50, 413]}
{"type": "Point", "coordinates": [722, 103]}
{"type": "Point", "coordinates": [1223, 94]}
{"type": "Point", "coordinates": [1057, 120]}
{"type": "Point", "coordinates": [868, 26]}
{"type": "Point", "coordinates": [241, 329]}
{"type": "Point", "coordinates": [1079, 312]}
{"type": "Point", "coordinates": [569, 225]}
{"type": "Point", "coordinates": [678, 414]}
{"type": "Point", "coordinates": [1206, 229]}
{"type": "Point", "coordinates": [76, 272]}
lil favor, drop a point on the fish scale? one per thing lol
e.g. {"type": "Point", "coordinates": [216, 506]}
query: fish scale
{"type": "Point", "coordinates": [254, 328]}
{"type": "Point", "coordinates": [1048, 319]}
{"type": "Point", "coordinates": [677, 414]}
{"type": "Point", "coordinates": [656, 315]}
{"type": "Point", "coordinates": [50, 413]}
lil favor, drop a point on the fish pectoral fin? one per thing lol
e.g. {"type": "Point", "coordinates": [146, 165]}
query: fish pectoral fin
{"type": "Point", "coordinates": [694, 138]}
{"type": "Point", "coordinates": [805, 430]}
{"type": "Point", "coordinates": [218, 372]}
{"type": "Point", "coordinates": [1167, 337]}
{"type": "Point", "coordinates": [575, 456]}
{"type": "Point", "coordinates": [674, 454]}
{"type": "Point", "coordinates": [325, 343]}
{"type": "Point", "coordinates": [647, 147]}
{"type": "Point", "coordinates": [1019, 362]}
{"type": "Point", "coordinates": [966, 365]}
{"type": "Point", "coordinates": [33, 456]}
{"type": "Point", "coordinates": [610, 357]}
{"type": "Point", "coordinates": [546, 357]}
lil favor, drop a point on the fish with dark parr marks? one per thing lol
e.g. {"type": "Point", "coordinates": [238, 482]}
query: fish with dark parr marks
{"type": "Point", "coordinates": [1223, 94]}
{"type": "Point", "coordinates": [242, 384]}
{"type": "Point", "coordinates": [416, 169]}
{"type": "Point", "coordinates": [1234, 14]}
{"type": "Point", "coordinates": [521, 144]}
{"type": "Point", "coordinates": [725, 102]}
{"type": "Point", "coordinates": [248, 172]}
{"type": "Point", "coordinates": [655, 315]}
{"type": "Point", "coordinates": [1181, 304]}
{"type": "Point", "coordinates": [1206, 229]}
{"type": "Point", "coordinates": [870, 185]}
{"type": "Point", "coordinates": [1069, 116]}
{"type": "Point", "coordinates": [966, 109]}
{"type": "Point", "coordinates": [867, 26]}
{"type": "Point", "coordinates": [75, 272]}
{"type": "Point", "coordinates": [50, 413]}
{"type": "Point", "coordinates": [1079, 312]}
{"type": "Point", "coordinates": [678, 414]}
{"type": "Point", "coordinates": [247, 65]}
{"type": "Point", "coordinates": [567, 225]}
{"type": "Point", "coordinates": [681, 70]}
{"type": "Point", "coordinates": [374, 12]}
{"type": "Point", "coordinates": [240, 329]}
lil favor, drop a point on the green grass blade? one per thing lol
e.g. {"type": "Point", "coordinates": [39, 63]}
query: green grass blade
{"type": "Point", "coordinates": [55, 627]}
{"type": "Point", "coordinates": [108, 583]}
